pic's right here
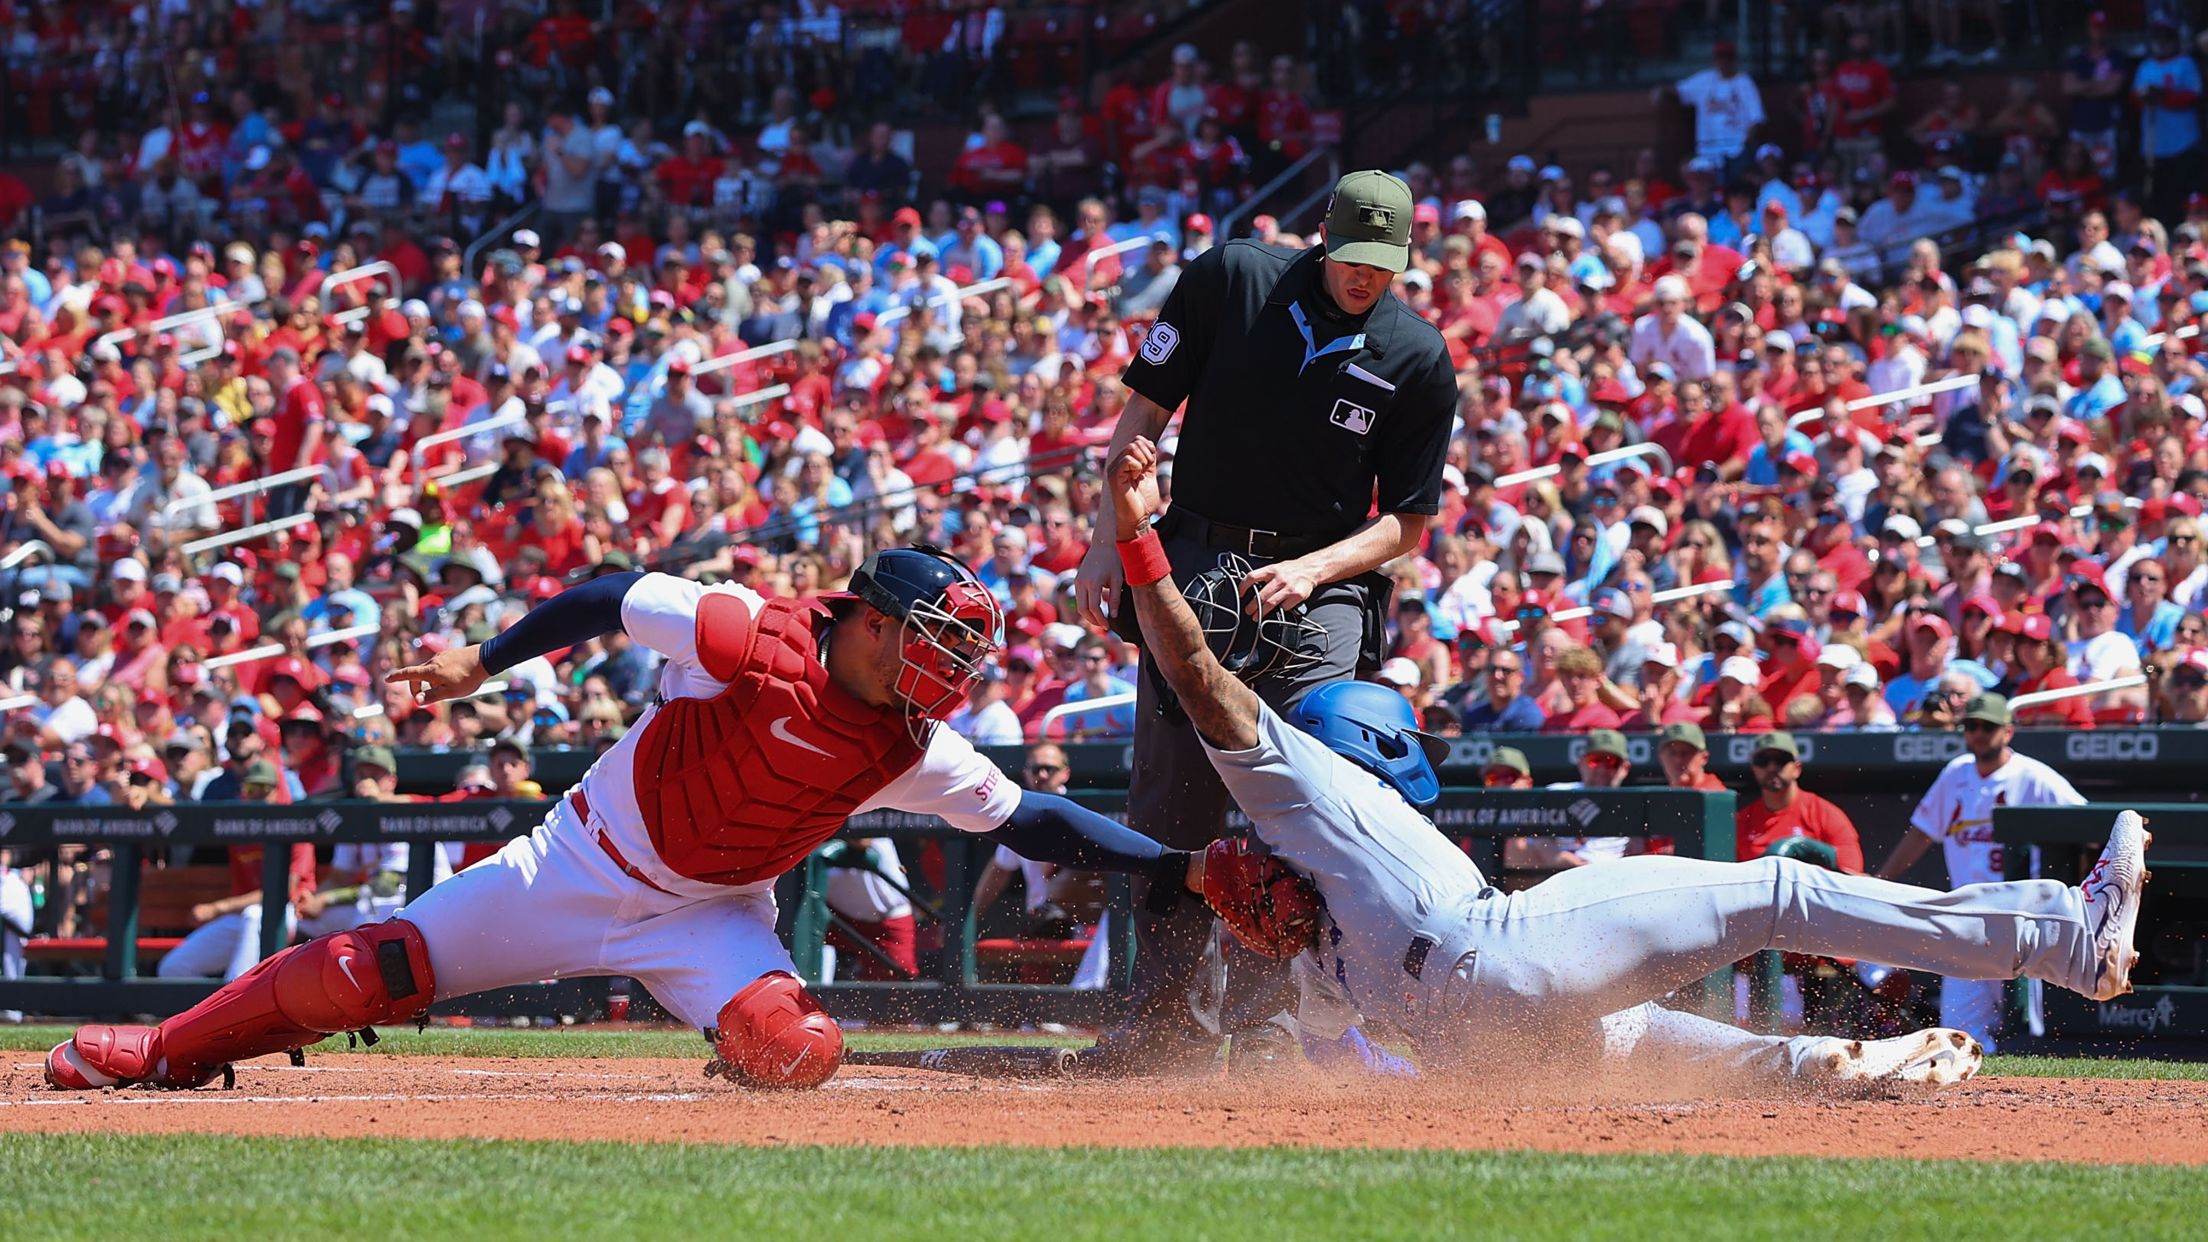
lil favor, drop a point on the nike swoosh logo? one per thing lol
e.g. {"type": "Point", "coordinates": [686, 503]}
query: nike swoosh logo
{"type": "Point", "coordinates": [346, 964]}
{"type": "Point", "coordinates": [781, 730]}
{"type": "Point", "coordinates": [795, 1061]}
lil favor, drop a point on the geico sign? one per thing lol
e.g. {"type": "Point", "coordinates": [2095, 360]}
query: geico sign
{"type": "Point", "coordinates": [1639, 748]}
{"type": "Point", "coordinates": [1927, 747]}
{"type": "Point", "coordinates": [2132, 747]}
{"type": "Point", "coordinates": [1741, 747]}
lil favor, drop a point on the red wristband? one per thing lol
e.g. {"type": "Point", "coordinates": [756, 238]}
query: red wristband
{"type": "Point", "coordinates": [1143, 559]}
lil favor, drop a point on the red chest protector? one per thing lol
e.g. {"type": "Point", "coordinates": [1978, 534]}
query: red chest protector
{"type": "Point", "coordinates": [738, 788]}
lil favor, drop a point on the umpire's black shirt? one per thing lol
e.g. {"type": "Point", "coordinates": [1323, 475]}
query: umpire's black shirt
{"type": "Point", "coordinates": [1300, 418]}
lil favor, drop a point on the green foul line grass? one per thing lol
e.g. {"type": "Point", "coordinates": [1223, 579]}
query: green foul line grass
{"type": "Point", "coordinates": [191, 1187]}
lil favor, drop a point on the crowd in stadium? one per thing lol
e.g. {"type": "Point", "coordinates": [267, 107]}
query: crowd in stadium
{"type": "Point", "coordinates": [940, 362]}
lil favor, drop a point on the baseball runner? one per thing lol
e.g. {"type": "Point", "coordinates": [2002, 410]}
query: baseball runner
{"type": "Point", "coordinates": [776, 721]}
{"type": "Point", "coordinates": [1398, 926]}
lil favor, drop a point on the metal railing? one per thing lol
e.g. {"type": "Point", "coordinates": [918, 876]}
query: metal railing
{"type": "Point", "coordinates": [496, 232]}
{"type": "Point", "coordinates": [1113, 251]}
{"type": "Point", "coordinates": [251, 487]}
{"type": "Point", "coordinates": [866, 509]}
{"type": "Point", "coordinates": [756, 352]}
{"type": "Point", "coordinates": [1930, 388]}
{"type": "Point", "coordinates": [994, 283]}
{"type": "Point", "coordinates": [1644, 449]}
{"type": "Point", "coordinates": [245, 534]}
{"type": "Point", "coordinates": [268, 651]}
{"type": "Point", "coordinates": [1226, 223]}
{"type": "Point", "coordinates": [183, 319]}
{"type": "Point", "coordinates": [2037, 697]}
{"type": "Point", "coordinates": [1671, 596]}
{"type": "Point", "coordinates": [23, 552]}
{"type": "Point", "coordinates": [467, 431]}
{"type": "Point", "coordinates": [1063, 710]}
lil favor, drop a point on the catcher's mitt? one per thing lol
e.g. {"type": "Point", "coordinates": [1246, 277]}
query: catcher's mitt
{"type": "Point", "coordinates": [1269, 908]}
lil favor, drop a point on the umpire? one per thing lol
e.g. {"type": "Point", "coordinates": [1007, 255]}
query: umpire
{"type": "Point", "coordinates": [1319, 411]}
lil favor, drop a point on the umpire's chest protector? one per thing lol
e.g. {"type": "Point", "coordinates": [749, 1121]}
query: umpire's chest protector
{"type": "Point", "coordinates": [1296, 422]}
{"type": "Point", "coordinates": [737, 788]}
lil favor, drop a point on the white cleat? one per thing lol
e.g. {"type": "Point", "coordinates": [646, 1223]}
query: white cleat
{"type": "Point", "coordinates": [1935, 1057]}
{"type": "Point", "coordinates": [2112, 891]}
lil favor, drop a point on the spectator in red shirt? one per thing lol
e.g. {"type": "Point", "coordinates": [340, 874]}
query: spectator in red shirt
{"type": "Point", "coordinates": [2043, 664]}
{"type": "Point", "coordinates": [1866, 99]}
{"type": "Point", "coordinates": [686, 178]}
{"type": "Point", "coordinates": [1580, 669]}
{"type": "Point", "coordinates": [1787, 810]}
{"type": "Point", "coordinates": [1283, 119]}
{"type": "Point", "coordinates": [1697, 434]}
{"type": "Point", "coordinates": [1790, 667]}
{"type": "Point", "coordinates": [995, 169]}
{"type": "Point", "coordinates": [298, 432]}
{"type": "Point", "coordinates": [1062, 547]}
{"type": "Point", "coordinates": [1684, 753]}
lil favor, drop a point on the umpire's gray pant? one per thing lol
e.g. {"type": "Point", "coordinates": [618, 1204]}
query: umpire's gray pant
{"type": "Point", "coordinates": [1176, 798]}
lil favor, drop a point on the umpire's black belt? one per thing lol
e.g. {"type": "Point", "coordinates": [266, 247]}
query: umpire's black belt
{"type": "Point", "coordinates": [1178, 522]}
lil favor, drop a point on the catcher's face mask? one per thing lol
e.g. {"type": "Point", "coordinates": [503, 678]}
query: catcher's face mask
{"type": "Point", "coordinates": [1283, 643]}
{"type": "Point", "coordinates": [947, 644]}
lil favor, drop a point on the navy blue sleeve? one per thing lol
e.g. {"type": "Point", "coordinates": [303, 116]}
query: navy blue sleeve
{"type": "Point", "coordinates": [576, 615]}
{"type": "Point", "coordinates": [1048, 828]}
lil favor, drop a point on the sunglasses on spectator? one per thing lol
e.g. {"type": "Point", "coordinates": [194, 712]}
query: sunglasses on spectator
{"type": "Point", "coordinates": [1605, 761]}
{"type": "Point", "coordinates": [1771, 759]}
{"type": "Point", "coordinates": [1495, 777]}
{"type": "Point", "coordinates": [1979, 726]}
{"type": "Point", "coordinates": [1532, 614]}
{"type": "Point", "coordinates": [1505, 670]}
{"type": "Point", "coordinates": [257, 790]}
{"type": "Point", "coordinates": [1046, 769]}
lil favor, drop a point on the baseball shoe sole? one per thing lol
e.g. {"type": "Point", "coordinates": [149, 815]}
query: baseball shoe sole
{"type": "Point", "coordinates": [2112, 892]}
{"type": "Point", "coordinates": [1936, 1057]}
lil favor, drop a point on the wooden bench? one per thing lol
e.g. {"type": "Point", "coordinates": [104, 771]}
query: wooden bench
{"type": "Point", "coordinates": [1028, 961]}
{"type": "Point", "coordinates": [166, 896]}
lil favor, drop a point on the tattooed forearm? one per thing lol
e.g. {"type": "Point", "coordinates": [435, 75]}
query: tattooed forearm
{"type": "Point", "coordinates": [1223, 710]}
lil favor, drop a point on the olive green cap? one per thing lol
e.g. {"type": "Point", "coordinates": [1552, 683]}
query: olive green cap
{"type": "Point", "coordinates": [1368, 221]}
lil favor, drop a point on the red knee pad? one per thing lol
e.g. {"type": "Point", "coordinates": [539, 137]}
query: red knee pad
{"type": "Point", "coordinates": [351, 979]}
{"type": "Point", "coordinates": [774, 1034]}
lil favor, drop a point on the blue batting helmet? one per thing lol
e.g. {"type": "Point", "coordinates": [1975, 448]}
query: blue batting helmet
{"type": "Point", "coordinates": [1375, 728]}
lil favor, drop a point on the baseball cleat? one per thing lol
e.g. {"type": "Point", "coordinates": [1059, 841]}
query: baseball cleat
{"type": "Point", "coordinates": [2112, 892]}
{"type": "Point", "coordinates": [1936, 1057]}
{"type": "Point", "coordinates": [100, 1056]}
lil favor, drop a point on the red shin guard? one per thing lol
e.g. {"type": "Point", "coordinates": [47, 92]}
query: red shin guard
{"type": "Point", "coordinates": [340, 982]}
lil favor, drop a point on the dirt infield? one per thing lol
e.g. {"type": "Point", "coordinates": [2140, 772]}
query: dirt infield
{"type": "Point", "coordinates": [666, 1100]}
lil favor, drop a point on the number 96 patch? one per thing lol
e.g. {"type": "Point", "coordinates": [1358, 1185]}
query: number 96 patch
{"type": "Point", "coordinates": [1158, 345]}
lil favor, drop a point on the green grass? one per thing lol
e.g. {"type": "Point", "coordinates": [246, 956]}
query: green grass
{"type": "Point", "coordinates": [103, 1186]}
{"type": "Point", "coordinates": [489, 1041]}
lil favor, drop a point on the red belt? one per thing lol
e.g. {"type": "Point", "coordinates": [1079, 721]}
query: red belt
{"type": "Point", "coordinates": [582, 808]}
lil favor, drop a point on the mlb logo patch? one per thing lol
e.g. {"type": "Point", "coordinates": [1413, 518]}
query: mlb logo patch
{"type": "Point", "coordinates": [1351, 416]}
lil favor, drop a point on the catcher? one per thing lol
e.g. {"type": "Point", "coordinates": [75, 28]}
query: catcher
{"type": "Point", "coordinates": [776, 721]}
{"type": "Point", "coordinates": [1411, 935]}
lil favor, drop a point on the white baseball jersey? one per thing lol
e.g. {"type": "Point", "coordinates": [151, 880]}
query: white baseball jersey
{"type": "Point", "coordinates": [952, 779]}
{"type": "Point", "coordinates": [1957, 811]}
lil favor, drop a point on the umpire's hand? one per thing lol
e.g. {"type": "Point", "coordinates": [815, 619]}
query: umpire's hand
{"type": "Point", "coordinates": [1282, 584]}
{"type": "Point", "coordinates": [1096, 584]}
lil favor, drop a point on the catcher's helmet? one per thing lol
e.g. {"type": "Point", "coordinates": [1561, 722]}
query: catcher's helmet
{"type": "Point", "coordinates": [1282, 643]}
{"type": "Point", "coordinates": [1375, 728]}
{"type": "Point", "coordinates": [952, 624]}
